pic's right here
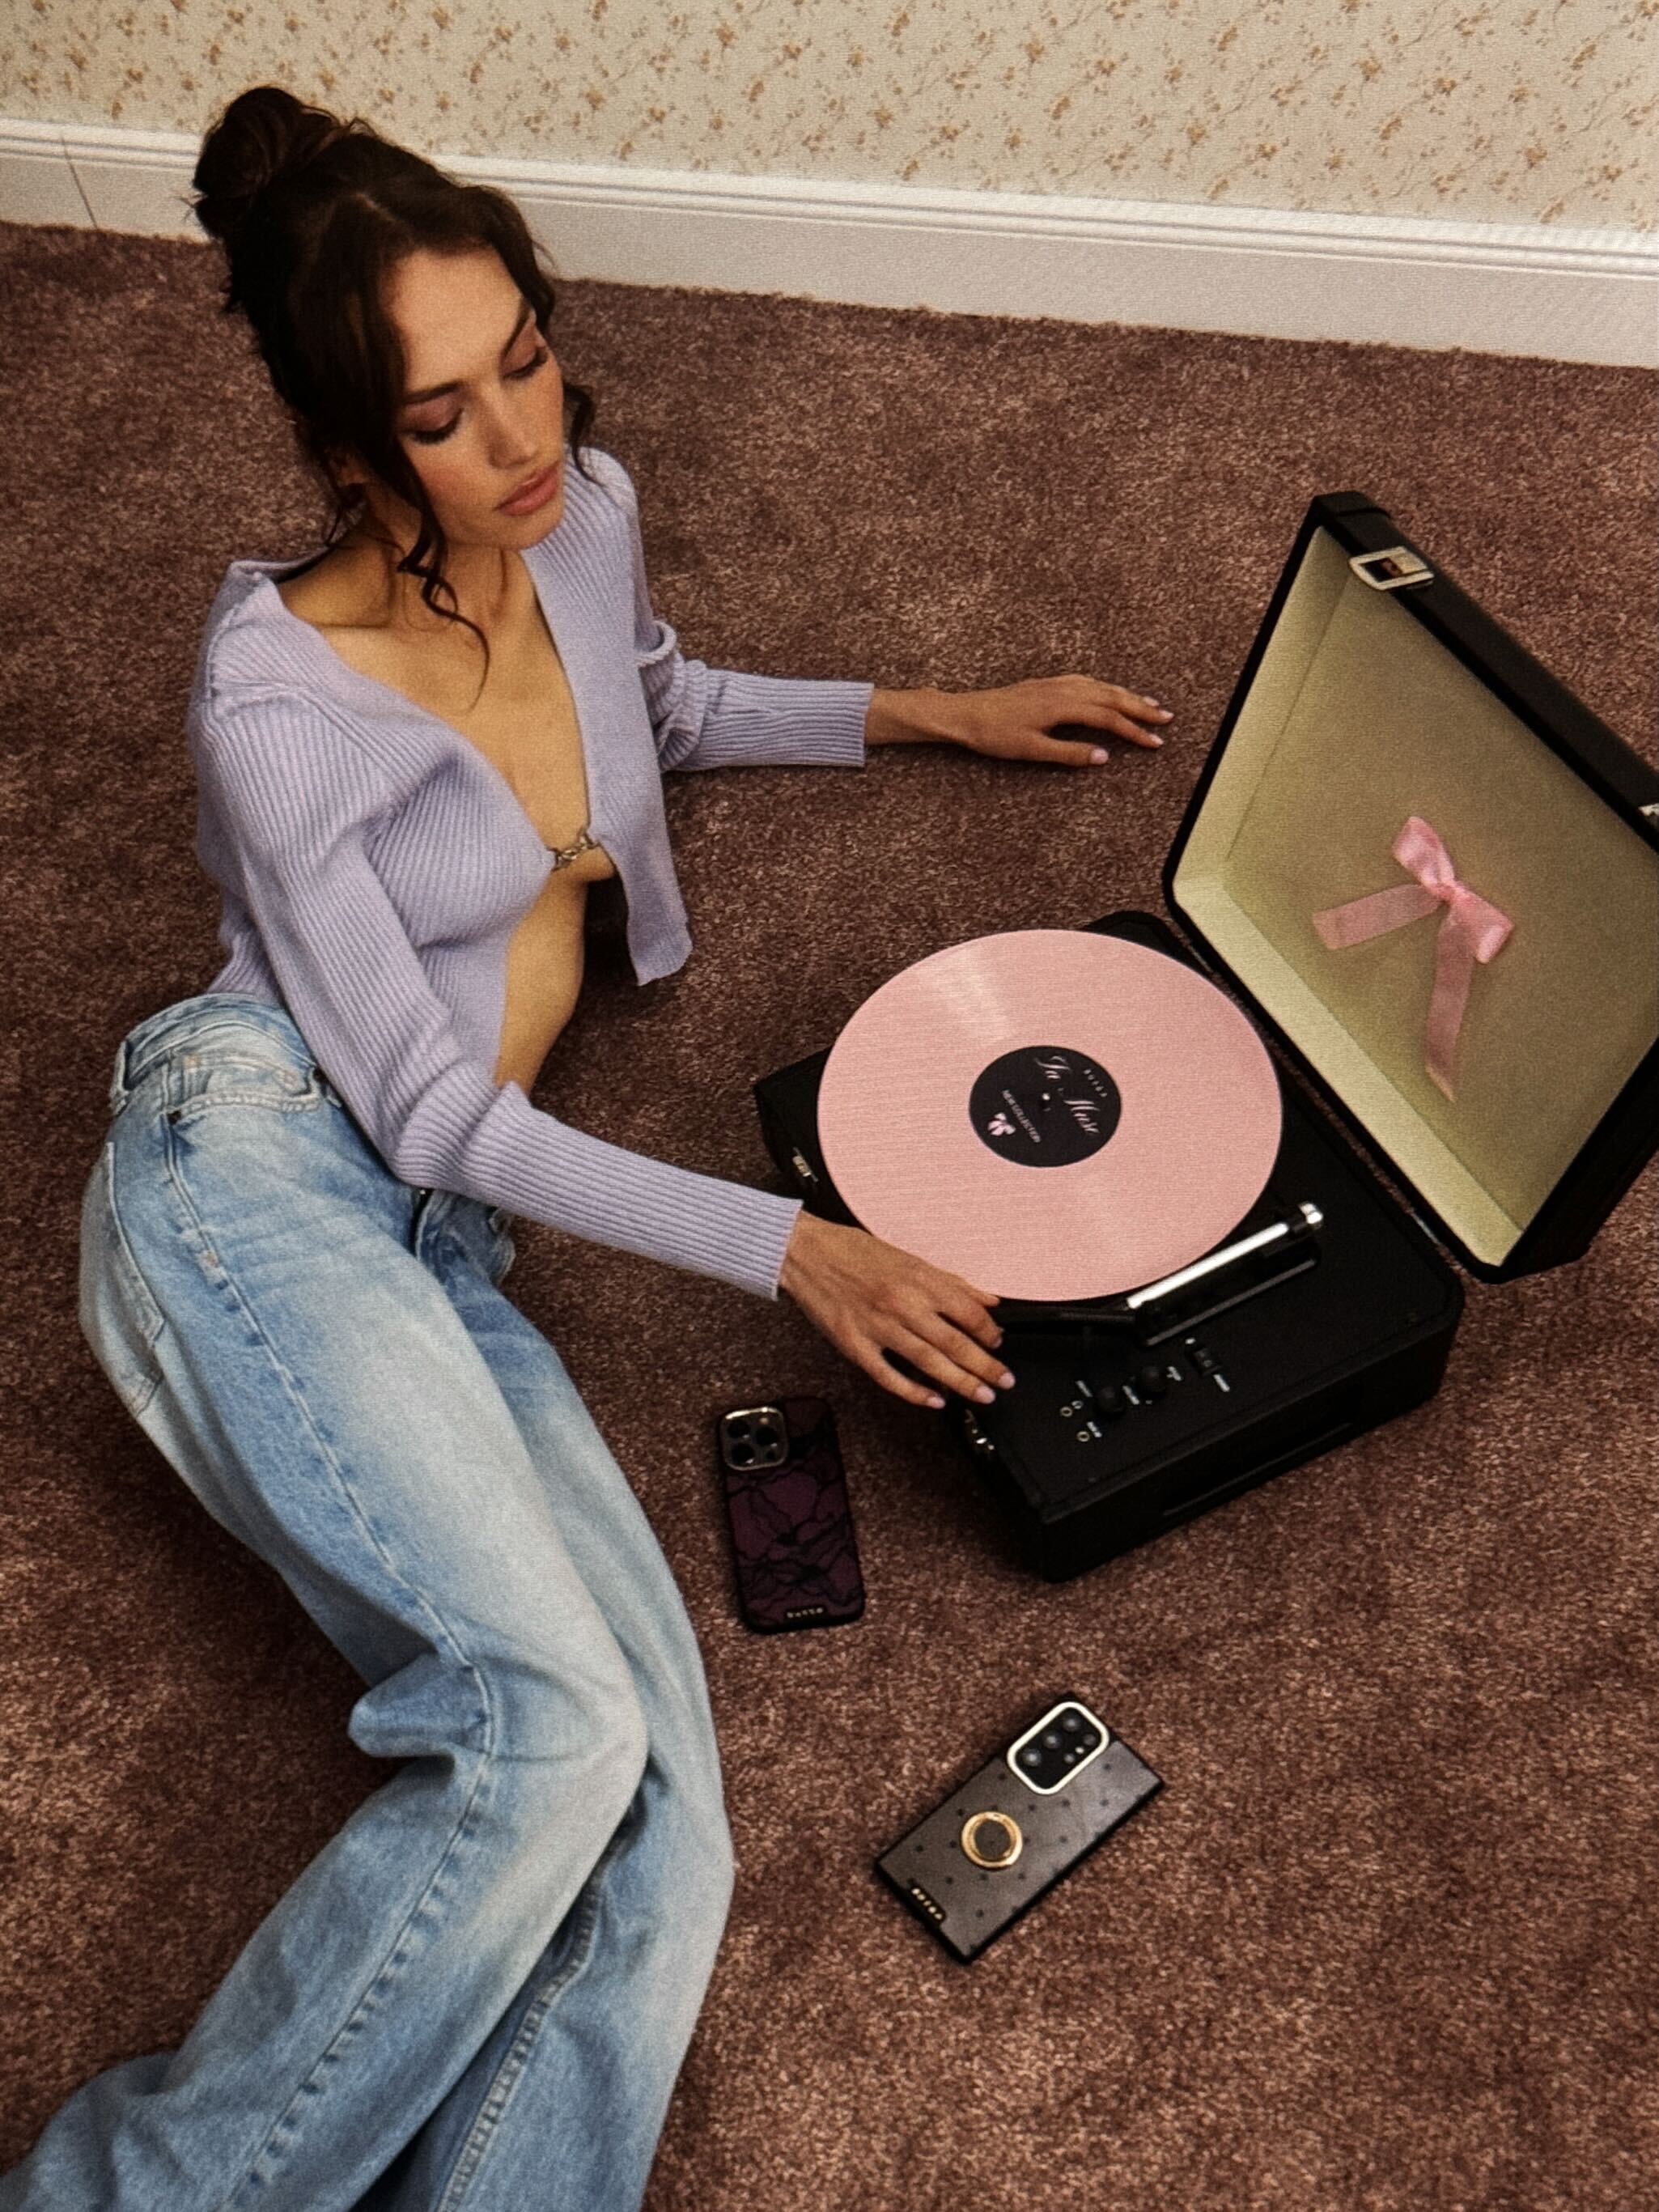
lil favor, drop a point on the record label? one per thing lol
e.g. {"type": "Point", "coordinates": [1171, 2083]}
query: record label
{"type": "Point", "coordinates": [1044, 1106]}
{"type": "Point", "coordinates": [956, 1128]}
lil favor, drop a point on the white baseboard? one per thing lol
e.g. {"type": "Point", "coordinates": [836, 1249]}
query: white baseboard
{"type": "Point", "coordinates": [1531, 289]}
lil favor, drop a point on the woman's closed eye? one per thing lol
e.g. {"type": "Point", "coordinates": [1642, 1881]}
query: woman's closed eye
{"type": "Point", "coordinates": [436, 437]}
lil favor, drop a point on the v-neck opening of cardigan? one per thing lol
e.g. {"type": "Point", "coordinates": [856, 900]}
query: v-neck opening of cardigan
{"type": "Point", "coordinates": [425, 713]}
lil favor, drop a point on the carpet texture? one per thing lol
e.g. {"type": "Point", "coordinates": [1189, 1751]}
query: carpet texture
{"type": "Point", "coordinates": [1387, 1938]}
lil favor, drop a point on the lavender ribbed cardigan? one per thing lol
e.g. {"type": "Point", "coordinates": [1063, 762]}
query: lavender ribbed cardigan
{"type": "Point", "coordinates": [372, 864]}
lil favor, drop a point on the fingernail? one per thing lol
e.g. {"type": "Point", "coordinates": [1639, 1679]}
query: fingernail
{"type": "Point", "coordinates": [1099, 753]}
{"type": "Point", "coordinates": [1007, 1381]}
{"type": "Point", "coordinates": [1166, 711]}
{"type": "Point", "coordinates": [936, 1403]}
{"type": "Point", "coordinates": [985, 1393]}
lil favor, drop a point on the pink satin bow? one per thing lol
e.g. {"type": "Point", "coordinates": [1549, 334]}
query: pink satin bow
{"type": "Point", "coordinates": [1473, 929]}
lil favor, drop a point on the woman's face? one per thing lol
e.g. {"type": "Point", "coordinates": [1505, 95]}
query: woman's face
{"type": "Point", "coordinates": [484, 406]}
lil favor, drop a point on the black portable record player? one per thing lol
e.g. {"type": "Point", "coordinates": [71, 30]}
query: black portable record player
{"type": "Point", "coordinates": [1377, 696]}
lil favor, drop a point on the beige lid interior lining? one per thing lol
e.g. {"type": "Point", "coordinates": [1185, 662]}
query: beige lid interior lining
{"type": "Point", "coordinates": [1357, 717]}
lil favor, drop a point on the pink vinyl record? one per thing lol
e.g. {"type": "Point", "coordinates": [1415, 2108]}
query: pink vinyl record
{"type": "Point", "coordinates": [1051, 1113]}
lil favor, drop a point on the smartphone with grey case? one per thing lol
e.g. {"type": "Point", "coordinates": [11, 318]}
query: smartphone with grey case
{"type": "Point", "coordinates": [1005, 1836]}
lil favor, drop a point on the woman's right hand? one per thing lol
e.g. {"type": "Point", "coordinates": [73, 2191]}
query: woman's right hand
{"type": "Point", "coordinates": [870, 1298]}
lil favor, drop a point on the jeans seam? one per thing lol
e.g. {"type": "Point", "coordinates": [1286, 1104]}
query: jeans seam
{"type": "Point", "coordinates": [395, 1956]}
{"type": "Point", "coordinates": [499, 2095]}
{"type": "Point", "coordinates": [124, 1266]}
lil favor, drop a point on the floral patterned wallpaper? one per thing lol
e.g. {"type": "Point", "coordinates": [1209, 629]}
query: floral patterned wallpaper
{"type": "Point", "coordinates": [1508, 111]}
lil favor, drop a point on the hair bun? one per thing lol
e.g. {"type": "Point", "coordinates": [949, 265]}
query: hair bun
{"type": "Point", "coordinates": [265, 133]}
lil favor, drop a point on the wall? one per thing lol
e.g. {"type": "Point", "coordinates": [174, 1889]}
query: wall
{"type": "Point", "coordinates": [1486, 111]}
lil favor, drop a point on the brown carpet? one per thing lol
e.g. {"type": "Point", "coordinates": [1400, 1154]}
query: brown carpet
{"type": "Point", "coordinates": [1387, 1939]}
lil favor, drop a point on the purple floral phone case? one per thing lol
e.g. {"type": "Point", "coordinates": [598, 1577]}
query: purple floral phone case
{"type": "Point", "coordinates": [792, 1544]}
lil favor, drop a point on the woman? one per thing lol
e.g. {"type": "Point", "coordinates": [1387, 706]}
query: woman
{"type": "Point", "coordinates": [417, 751]}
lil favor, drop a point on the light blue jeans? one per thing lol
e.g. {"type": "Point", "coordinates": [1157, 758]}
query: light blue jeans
{"type": "Point", "coordinates": [480, 1992]}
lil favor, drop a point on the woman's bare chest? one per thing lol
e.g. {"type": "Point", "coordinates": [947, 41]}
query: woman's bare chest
{"type": "Point", "coordinates": [522, 719]}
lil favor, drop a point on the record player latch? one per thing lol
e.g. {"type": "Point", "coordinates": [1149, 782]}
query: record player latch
{"type": "Point", "coordinates": [1396, 567]}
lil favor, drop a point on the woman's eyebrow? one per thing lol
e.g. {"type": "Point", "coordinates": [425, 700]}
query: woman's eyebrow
{"type": "Point", "coordinates": [439, 391]}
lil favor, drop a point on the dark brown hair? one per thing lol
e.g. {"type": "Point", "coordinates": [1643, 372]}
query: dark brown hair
{"type": "Point", "coordinates": [313, 213]}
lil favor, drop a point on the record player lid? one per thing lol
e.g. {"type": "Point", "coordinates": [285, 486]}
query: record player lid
{"type": "Point", "coordinates": [1377, 695]}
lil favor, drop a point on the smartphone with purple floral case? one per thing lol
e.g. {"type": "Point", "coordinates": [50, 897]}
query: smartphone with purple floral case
{"type": "Point", "coordinates": [792, 1544]}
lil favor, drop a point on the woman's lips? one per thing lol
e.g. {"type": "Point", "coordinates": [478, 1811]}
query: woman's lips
{"type": "Point", "coordinates": [535, 493]}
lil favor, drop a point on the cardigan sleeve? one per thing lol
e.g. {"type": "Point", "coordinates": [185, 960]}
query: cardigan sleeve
{"type": "Point", "coordinates": [704, 717]}
{"type": "Point", "coordinates": [296, 798]}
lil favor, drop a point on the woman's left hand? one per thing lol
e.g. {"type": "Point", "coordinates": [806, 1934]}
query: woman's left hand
{"type": "Point", "coordinates": [1017, 722]}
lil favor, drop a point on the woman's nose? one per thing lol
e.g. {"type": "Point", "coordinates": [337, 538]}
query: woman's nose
{"type": "Point", "coordinates": [512, 447]}
{"type": "Point", "coordinates": [514, 438]}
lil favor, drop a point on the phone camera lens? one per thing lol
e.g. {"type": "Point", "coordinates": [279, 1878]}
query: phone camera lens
{"type": "Point", "coordinates": [1071, 1720]}
{"type": "Point", "coordinates": [1051, 1739]}
{"type": "Point", "coordinates": [742, 1453]}
{"type": "Point", "coordinates": [1031, 1757]}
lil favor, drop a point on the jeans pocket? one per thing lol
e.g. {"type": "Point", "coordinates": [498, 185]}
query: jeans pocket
{"type": "Point", "coordinates": [119, 1319]}
{"type": "Point", "coordinates": [245, 1076]}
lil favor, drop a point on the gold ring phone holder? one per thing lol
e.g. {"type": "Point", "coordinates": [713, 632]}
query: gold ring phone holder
{"type": "Point", "coordinates": [992, 1839]}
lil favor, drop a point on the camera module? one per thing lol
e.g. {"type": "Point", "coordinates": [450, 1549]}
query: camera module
{"type": "Point", "coordinates": [1048, 1753]}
